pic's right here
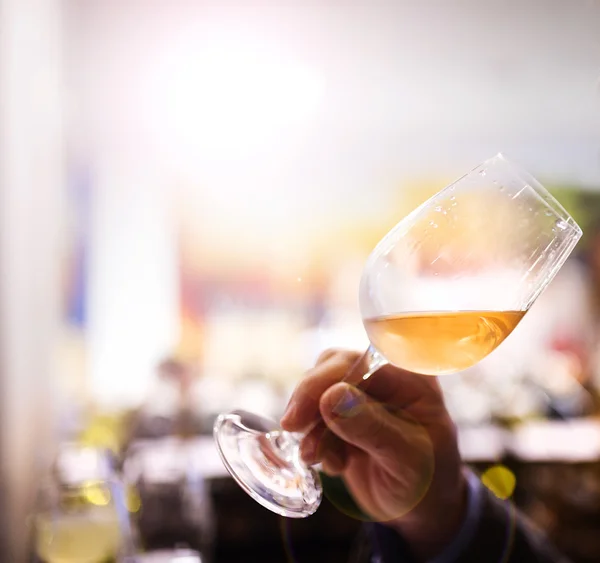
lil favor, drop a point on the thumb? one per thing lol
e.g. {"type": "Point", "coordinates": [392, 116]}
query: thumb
{"type": "Point", "coordinates": [393, 438]}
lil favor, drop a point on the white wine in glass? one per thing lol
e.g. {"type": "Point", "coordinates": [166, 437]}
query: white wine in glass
{"type": "Point", "coordinates": [442, 290]}
{"type": "Point", "coordinates": [81, 515]}
{"type": "Point", "coordinates": [93, 538]}
{"type": "Point", "coordinates": [440, 343]}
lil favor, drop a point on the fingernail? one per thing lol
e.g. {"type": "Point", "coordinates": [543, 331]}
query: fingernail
{"type": "Point", "coordinates": [349, 401]}
{"type": "Point", "coordinates": [289, 403]}
{"type": "Point", "coordinates": [289, 411]}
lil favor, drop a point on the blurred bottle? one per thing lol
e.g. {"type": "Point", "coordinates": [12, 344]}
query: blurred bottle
{"type": "Point", "coordinates": [175, 505]}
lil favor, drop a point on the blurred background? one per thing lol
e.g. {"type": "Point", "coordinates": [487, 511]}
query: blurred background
{"type": "Point", "coordinates": [188, 193]}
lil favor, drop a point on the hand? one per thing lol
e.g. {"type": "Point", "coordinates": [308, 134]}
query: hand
{"type": "Point", "coordinates": [392, 441]}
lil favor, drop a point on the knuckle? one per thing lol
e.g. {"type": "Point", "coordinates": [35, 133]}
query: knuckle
{"type": "Point", "coordinates": [336, 364]}
{"type": "Point", "coordinates": [346, 358]}
{"type": "Point", "coordinates": [340, 364]}
{"type": "Point", "coordinates": [328, 354]}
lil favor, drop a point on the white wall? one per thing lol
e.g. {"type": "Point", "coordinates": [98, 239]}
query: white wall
{"type": "Point", "coordinates": [31, 188]}
{"type": "Point", "coordinates": [133, 289]}
{"type": "Point", "coordinates": [395, 87]}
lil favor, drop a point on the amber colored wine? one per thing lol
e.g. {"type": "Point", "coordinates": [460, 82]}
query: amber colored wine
{"type": "Point", "coordinates": [440, 343]}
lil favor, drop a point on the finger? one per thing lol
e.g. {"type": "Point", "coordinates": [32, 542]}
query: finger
{"type": "Point", "coordinates": [309, 447]}
{"type": "Point", "coordinates": [390, 383]}
{"type": "Point", "coordinates": [335, 462]}
{"type": "Point", "coordinates": [401, 388]}
{"type": "Point", "coordinates": [320, 442]}
{"type": "Point", "coordinates": [325, 447]}
{"type": "Point", "coordinates": [397, 442]}
{"type": "Point", "coordinates": [329, 353]}
{"type": "Point", "coordinates": [303, 409]}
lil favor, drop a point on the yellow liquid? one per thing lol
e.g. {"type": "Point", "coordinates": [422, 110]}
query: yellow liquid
{"type": "Point", "coordinates": [69, 539]}
{"type": "Point", "coordinates": [440, 343]}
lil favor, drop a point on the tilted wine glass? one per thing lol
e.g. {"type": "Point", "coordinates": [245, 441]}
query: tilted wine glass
{"type": "Point", "coordinates": [440, 292]}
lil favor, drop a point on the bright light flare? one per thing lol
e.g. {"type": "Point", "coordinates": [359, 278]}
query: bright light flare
{"type": "Point", "coordinates": [223, 95]}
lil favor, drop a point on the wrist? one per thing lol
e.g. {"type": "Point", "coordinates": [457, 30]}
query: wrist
{"type": "Point", "coordinates": [432, 526]}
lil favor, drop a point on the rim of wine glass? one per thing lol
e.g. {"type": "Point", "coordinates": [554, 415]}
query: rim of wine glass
{"type": "Point", "coordinates": [519, 173]}
{"type": "Point", "coordinates": [532, 182]}
{"type": "Point", "coordinates": [572, 231]}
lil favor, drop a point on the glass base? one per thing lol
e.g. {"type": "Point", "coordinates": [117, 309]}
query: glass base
{"type": "Point", "coordinates": [267, 466]}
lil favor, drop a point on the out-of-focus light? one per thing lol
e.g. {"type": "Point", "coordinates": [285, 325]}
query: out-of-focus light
{"type": "Point", "coordinates": [500, 480]}
{"type": "Point", "coordinates": [221, 95]}
{"type": "Point", "coordinates": [101, 433]}
{"type": "Point", "coordinates": [97, 494]}
{"type": "Point", "coordinates": [133, 500]}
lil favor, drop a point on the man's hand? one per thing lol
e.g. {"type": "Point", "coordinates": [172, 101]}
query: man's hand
{"type": "Point", "coordinates": [392, 441]}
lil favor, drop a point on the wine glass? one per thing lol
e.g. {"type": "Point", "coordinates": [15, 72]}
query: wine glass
{"type": "Point", "coordinates": [440, 292]}
{"type": "Point", "coordinates": [81, 514]}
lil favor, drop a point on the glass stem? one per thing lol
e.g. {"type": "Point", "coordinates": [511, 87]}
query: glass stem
{"type": "Point", "coordinates": [356, 377]}
{"type": "Point", "coordinates": [374, 361]}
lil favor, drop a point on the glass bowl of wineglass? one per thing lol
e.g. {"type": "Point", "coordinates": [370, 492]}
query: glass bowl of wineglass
{"type": "Point", "coordinates": [442, 290]}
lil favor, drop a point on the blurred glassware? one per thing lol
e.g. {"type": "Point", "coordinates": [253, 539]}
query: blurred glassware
{"type": "Point", "coordinates": [81, 514]}
{"type": "Point", "coordinates": [170, 556]}
{"type": "Point", "coordinates": [168, 477]}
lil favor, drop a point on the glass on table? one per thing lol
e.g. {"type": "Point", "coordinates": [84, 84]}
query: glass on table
{"type": "Point", "coordinates": [81, 514]}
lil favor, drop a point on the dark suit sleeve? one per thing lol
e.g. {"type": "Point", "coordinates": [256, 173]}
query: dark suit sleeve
{"type": "Point", "coordinates": [504, 535]}
{"type": "Point", "coordinates": [494, 531]}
